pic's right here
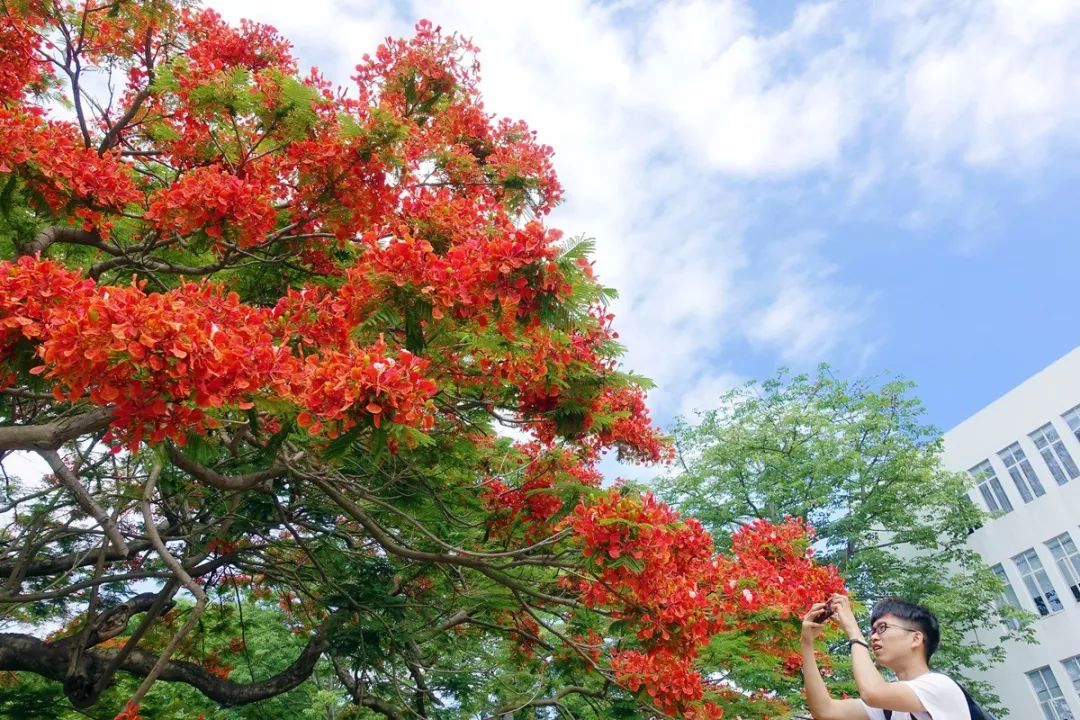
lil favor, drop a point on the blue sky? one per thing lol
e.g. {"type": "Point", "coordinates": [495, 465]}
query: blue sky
{"type": "Point", "coordinates": [887, 187]}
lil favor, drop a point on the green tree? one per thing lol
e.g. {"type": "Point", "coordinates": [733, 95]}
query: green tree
{"type": "Point", "coordinates": [857, 461]}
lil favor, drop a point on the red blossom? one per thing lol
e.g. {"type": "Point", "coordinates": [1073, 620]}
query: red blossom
{"type": "Point", "coordinates": [216, 202]}
{"type": "Point", "coordinates": [23, 65]}
{"type": "Point", "coordinates": [533, 500]}
{"type": "Point", "coordinates": [130, 712]}
{"type": "Point", "coordinates": [51, 157]}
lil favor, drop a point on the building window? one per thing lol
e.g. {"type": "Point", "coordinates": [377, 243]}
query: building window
{"type": "Point", "coordinates": [990, 488]}
{"type": "Point", "coordinates": [1008, 595]}
{"type": "Point", "coordinates": [1057, 458]}
{"type": "Point", "coordinates": [1072, 668]}
{"type": "Point", "coordinates": [1027, 482]}
{"type": "Point", "coordinates": [1037, 582]}
{"type": "Point", "coordinates": [1067, 558]}
{"type": "Point", "coordinates": [1073, 419]}
{"type": "Point", "coordinates": [1048, 691]}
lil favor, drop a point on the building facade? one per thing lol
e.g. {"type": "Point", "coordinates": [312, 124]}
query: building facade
{"type": "Point", "coordinates": [1024, 452]}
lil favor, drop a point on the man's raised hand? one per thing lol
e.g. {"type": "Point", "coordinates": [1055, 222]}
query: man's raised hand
{"type": "Point", "coordinates": [814, 621]}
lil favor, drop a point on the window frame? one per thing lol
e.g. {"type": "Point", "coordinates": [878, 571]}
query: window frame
{"type": "Point", "coordinates": [1038, 583]}
{"type": "Point", "coordinates": [1022, 473]}
{"type": "Point", "coordinates": [993, 492]}
{"type": "Point", "coordinates": [1054, 453]}
{"type": "Point", "coordinates": [1008, 595]}
{"type": "Point", "coordinates": [1054, 707]}
{"type": "Point", "coordinates": [1072, 670]}
{"type": "Point", "coordinates": [1072, 419]}
{"type": "Point", "coordinates": [1069, 562]}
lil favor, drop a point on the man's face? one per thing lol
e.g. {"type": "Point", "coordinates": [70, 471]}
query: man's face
{"type": "Point", "coordinates": [891, 638]}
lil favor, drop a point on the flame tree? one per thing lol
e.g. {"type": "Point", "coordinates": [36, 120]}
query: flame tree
{"type": "Point", "coordinates": [263, 332]}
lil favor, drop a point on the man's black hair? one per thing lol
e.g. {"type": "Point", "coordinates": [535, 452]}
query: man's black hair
{"type": "Point", "coordinates": [917, 615]}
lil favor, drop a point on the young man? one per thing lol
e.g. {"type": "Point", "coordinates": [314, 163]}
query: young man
{"type": "Point", "coordinates": [903, 637]}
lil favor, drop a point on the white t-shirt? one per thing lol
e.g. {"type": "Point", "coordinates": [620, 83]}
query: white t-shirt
{"type": "Point", "coordinates": [939, 694]}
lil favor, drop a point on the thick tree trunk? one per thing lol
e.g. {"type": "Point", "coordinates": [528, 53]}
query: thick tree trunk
{"type": "Point", "coordinates": [25, 653]}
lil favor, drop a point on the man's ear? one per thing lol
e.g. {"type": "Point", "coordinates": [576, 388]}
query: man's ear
{"type": "Point", "coordinates": [917, 639]}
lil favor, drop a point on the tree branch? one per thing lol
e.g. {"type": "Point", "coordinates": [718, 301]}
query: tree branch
{"type": "Point", "coordinates": [63, 564]}
{"type": "Point", "coordinates": [152, 265]}
{"type": "Point", "coordinates": [417, 672]}
{"type": "Point", "coordinates": [52, 435]}
{"type": "Point", "coordinates": [223, 482]}
{"type": "Point", "coordinates": [355, 689]}
{"type": "Point", "coordinates": [71, 482]}
{"type": "Point", "coordinates": [380, 535]}
{"type": "Point", "coordinates": [554, 700]}
{"type": "Point", "coordinates": [113, 135]}
{"type": "Point", "coordinates": [68, 235]}
{"type": "Point", "coordinates": [178, 571]}
{"type": "Point", "coordinates": [25, 653]}
{"type": "Point", "coordinates": [196, 571]}
{"type": "Point", "coordinates": [110, 622]}
{"type": "Point", "coordinates": [158, 605]}
{"type": "Point", "coordinates": [19, 501]}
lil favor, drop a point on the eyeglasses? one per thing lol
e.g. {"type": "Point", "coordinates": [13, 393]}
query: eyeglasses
{"type": "Point", "coordinates": [881, 627]}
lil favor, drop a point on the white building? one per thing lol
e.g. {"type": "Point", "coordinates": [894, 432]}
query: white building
{"type": "Point", "coordinates": [1024, 451]}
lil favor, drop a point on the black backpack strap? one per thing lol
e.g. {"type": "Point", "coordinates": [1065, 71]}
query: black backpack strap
{"type": "Point", "coordinates": [976, 712]}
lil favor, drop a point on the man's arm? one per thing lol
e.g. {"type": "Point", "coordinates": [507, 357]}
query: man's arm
{"type": "Point", "coordinates": [874, 689]}
{"type": "Point", "coordinates": [818, 701]}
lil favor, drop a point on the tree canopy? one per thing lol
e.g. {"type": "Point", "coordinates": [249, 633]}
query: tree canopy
{"type": "Point", "coordinates": [856, 460]}
{"type": "Point", "coordinates": [265, 332]}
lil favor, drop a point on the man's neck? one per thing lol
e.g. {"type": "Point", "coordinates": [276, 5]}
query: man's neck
{"type": "Point", "coordinates": [910, 668]}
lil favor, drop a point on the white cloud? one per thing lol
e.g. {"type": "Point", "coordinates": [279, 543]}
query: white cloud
{"type": "Point", "coordinates": [706, 392]}
{"type": "Point", "coordinates": [994, 83]}
{"type": "Point", "coordinates": [809, 314]}
{"type": "Point", "coordinates": [25, 467]}
{"type": "Point", "coordinates": [330, 34]}
{"type": "Point", "coordinates": [733, 96]}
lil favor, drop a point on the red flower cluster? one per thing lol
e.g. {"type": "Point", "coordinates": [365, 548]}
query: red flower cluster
{"type": "Point", "coordinates": [654, 570]}
{"type": "Point", "coordinates": [218, 46]}
{"type": "Point", "coordinates": [535, 501]}
{"type": "Point", "coordinates": [776, 568]}
{"type": "Point", "coordinates": [29, 292]}
{"type": "Point", "coordinates": [671, 681]}
{"type": "Point", "coordinates": [159, 359]}
{"type": "Point", "coordinates": [113, 34]}
{"type": "Point", "coordinates": [477, 270]}
{"type": "Point", "coordinates": [659, 574]}
{"type": "Point", "coordinates": [130, 712]}
{"type": "Point", "coordinates": [163, 360]}
{"type": "Point", "coordinates": [22, 65]}
{"type": "Point", "coordinates": [51, 158]}
{"type": "Point", "coordinates": [366, 382]}
{"type": "Point", "coordinates": [217, 202]}
{"type": "Point", "coordinates": [629, 429]}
